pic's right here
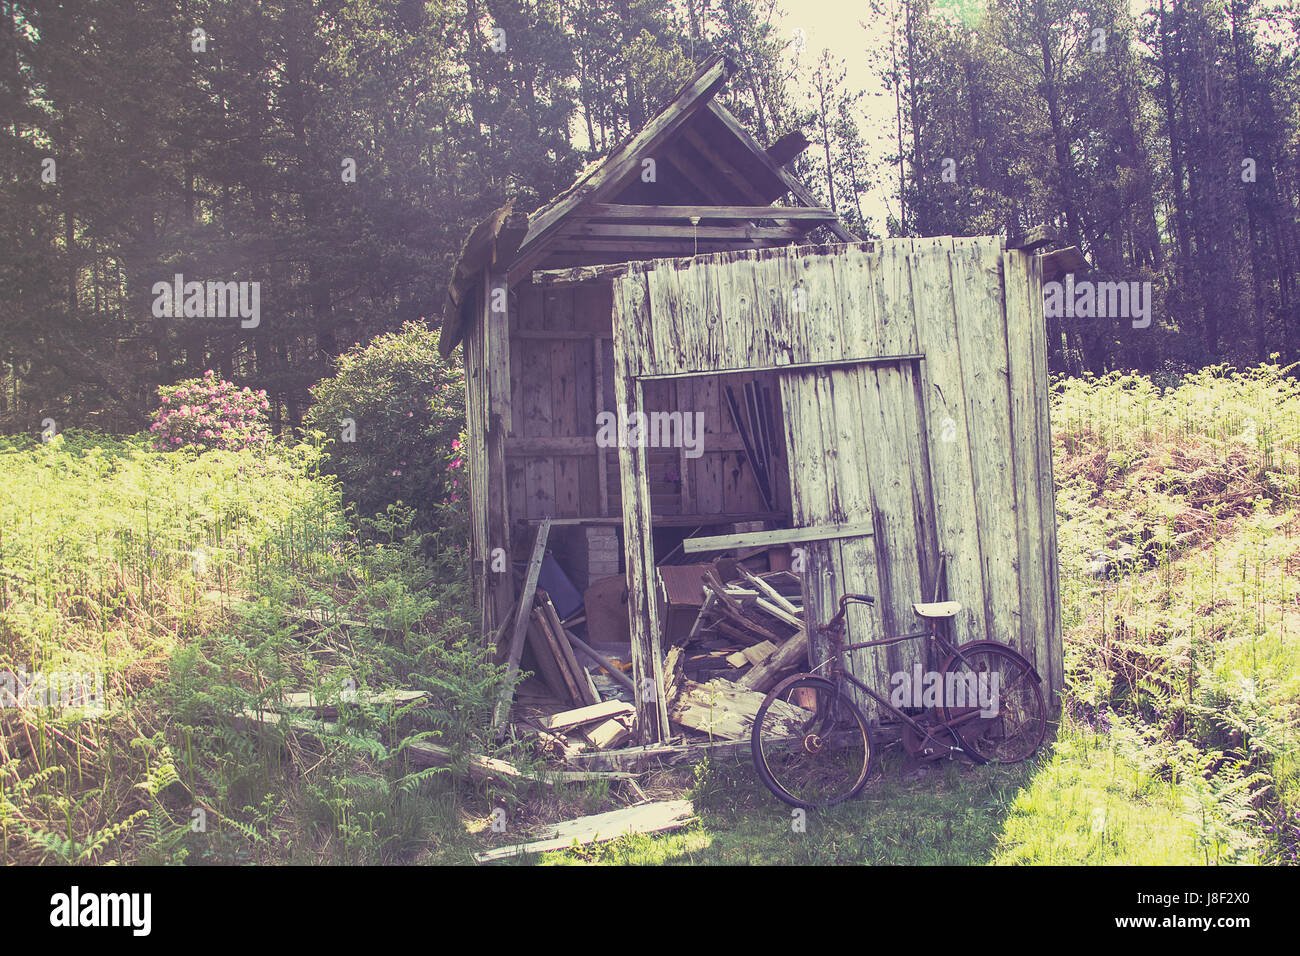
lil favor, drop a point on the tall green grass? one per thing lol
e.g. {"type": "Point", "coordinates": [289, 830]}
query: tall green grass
{"type": "Point", "coordinates": [1177, 513]}
{"type": "Point", "coordinates": [202, 587]}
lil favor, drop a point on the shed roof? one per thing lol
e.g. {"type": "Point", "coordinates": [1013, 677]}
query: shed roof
{"type": "Point", "coordinates": [707, 188]}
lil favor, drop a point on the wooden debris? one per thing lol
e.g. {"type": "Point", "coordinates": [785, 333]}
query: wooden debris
{"type": "Point", "coordinates": [771, 593]}
{"type": "Point", "coordinates": [545, 654]}
{"type": "Point", "coordinates": [758, 653]}
{"type": "Point", "coordinates": [643, 818]}
{"type": "Point", "coordinates": [326, 707]}
{"type": "Point", "coordinates": [585, 690]}
{"type": "Point", "coordinates": [791, 655]}
{"type": "Point", "coordinates": [256, 720]}
{"type": "Point", "coordinates": [609, 666]}
{"type": "Point", "coordinates": [673, 673]}
{"type": "Point", "coordinates": [611, 733]}
{"type": "Point", "coordinates": [635, 758]}
{"type": "Point", "coordinates": [749, 539]}
{"type": "Point", "coordinates": [521, 626]}
{"type": "Point", "coordinates": [483, 769]}
{"type": "Point", "coordinates": [723, 709]}
{"type": "Point", "coordinates": [586, 715]}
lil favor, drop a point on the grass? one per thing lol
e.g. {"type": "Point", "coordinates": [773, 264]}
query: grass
{"type": "Point", "coordinates": [1177, 515]}
{"type": "Point", "coordinates": [184, 582]}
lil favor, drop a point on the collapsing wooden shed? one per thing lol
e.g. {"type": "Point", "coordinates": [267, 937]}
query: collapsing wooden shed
{"type": "Point", "coordinates": [899, 389]}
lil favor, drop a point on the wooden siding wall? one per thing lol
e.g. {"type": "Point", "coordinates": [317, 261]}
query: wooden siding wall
{"type": "Point", "coordinates": [561, 374]}
{"type": "Point", "coordinates": [952, 451]}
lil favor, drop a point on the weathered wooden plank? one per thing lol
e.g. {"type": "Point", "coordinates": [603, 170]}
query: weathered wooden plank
{"type": "Point", "coordinates": [661, 231]}
{"type": "Point", "coordinates": [603, 272]}
{"type": "Point", "coordinates": [981, 333]}
{"type": "Point", "coordinates": [629, 211]}
{"type": "Point", "coordinates": [609, 734]}
{"type": "Point", "coordinates": [642, 818]}
{"type": "Point", "coordinates": [708, 467]}
{"type": "Point", "coordinates": [549, 664]}
{"type": "Point", "coordinates": [843, 405]}
{"type": "Point", "coordinates": [819, 564]}
{"type": "Point", "coordinates": [884, 391]}
{"type": "Point", "coordinates": [1054, 674]}
{"type": "Point", "coordinates": [777, 366]}
{"type": "Point", "coordinates": [948, 438]}
{"type": "Point", "coordinates": [1035, 636]}
{"type": "Point", "coordinates": [756, 539]}
{"type": "Point", "coordinates": [539, 477]}
{"type": "Point", "coordinates": [631, 297]}
{"type": "Point", "coordinates": [723, 709]}
{"type": "Point", "coordinates": [586, 715]}
{"type": "Point", "coordinates": [521, 625]}
{"type": "Point", "coordinates": [483, 769]}
{"type": "Point", "coordinates": [792, 655]}
{"type": "Point", "coordinates": [584, 691]}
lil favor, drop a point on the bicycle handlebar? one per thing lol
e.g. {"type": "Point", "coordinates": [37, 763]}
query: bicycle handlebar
{"type": "Point", "coordinates": [845, 601]}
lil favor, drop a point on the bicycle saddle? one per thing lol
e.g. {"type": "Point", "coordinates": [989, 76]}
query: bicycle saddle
{"type": "Point", "coordinates": [941, 609]}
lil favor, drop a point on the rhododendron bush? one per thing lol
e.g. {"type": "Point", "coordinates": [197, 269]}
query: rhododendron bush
{"type": "Point", "coordinates": [392, 416]}
{"type": "Point", "coordinates": [201, 414]}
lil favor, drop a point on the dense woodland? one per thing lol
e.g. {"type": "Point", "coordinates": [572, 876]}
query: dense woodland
{"type": "Point", "coordinates": [133, 148]}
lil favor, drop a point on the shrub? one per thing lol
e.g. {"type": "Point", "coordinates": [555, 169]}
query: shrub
{"type": "Point", "coordinates": [205, 413]}
{"type": "Point", "coordinates": [392, 414]}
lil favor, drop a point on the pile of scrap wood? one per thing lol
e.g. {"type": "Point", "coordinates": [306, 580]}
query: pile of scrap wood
{"type": "Point", "coordinates": [602, 726]}
{"type": "Point", "coordinates": [562, 661]}
{"type": "Point", "coordinates": [747, 635]}
{"type": "Point", "coordinates": [749, 628]}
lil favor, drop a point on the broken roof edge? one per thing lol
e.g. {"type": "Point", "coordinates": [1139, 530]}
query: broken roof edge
{"type": "Point", "coordinates": [495, 238]}
{"type": "Point", "coordinates": [602, 179]}
{"type": "Point", "coordinates": [692, 94]}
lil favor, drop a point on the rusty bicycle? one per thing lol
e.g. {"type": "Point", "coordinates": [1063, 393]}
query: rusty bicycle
{"type": "Point", "coordinates": [813, 747]}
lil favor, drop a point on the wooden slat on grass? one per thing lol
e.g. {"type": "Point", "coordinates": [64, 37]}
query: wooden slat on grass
{"type": "Point", "coordinates": [645, 818]}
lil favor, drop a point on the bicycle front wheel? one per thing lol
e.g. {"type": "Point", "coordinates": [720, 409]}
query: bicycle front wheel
{"type": "Point", "coordinates": [810, 743]}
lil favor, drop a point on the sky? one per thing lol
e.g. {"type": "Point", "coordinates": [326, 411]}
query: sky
{"type": "Point", "coordinates": [837, 26]}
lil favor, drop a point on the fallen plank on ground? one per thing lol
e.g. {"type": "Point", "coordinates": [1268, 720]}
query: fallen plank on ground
{"type": "Point", "coordinates": [326, 705]}
{"type": "Point", "coordinates": [644, 818]}
{"type": "Point", "coordinates": [482, 768]}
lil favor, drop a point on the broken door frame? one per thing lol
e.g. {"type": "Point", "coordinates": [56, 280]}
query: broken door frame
{"type": "Point", "coordinates": [638, 528]}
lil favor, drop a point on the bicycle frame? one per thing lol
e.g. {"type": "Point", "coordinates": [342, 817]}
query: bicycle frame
{"type": "Point", "coordinates": [836, 627]}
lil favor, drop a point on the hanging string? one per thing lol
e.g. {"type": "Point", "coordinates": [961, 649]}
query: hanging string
{"type": "Point", "coordinates": [695, 223]}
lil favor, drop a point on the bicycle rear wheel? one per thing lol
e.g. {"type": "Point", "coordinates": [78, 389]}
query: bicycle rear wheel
{"type": "Point", "coordinates": [1005, 719]}
{"type": "Point", "coordinates": [810, 743]}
